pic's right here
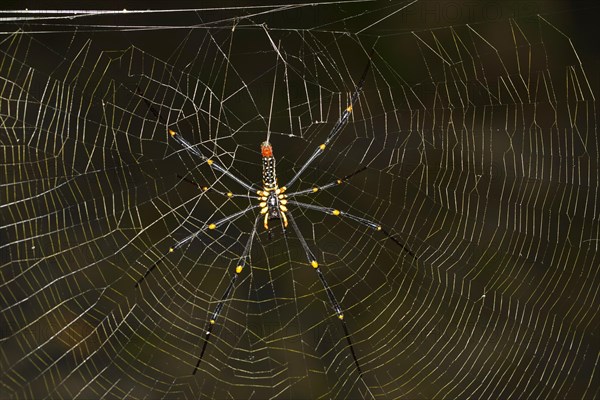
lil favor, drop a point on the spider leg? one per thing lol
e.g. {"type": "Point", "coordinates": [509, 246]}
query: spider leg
{"type": "Point", "coordinates": [190, 237]}
{"type": "Point", "coordinates": [227, 294]}
{"type": "Point", "coordinates": [191, 149]}
{"type": "Point", "coordinates": [368, 223]}
{"type": "Point", "coordinates": [337, 182]}
{"type": "Point", "coordinates": [213, 164]}
{"type": "Point", "coordinates": [339, 125]}
{"type": "Point", "coordinates": [334, 303]}
{"type": "Point", "coordinates": [206, 189]}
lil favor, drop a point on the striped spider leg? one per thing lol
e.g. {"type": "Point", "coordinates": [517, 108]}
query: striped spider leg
{"type": "Point", "coordinates": [337, 128]}
{"type": "Point", "coordinates": [193, 150]}
{"type": "Point", "coordinates": [363, 221]}
{"type": "Point", "coordinates": [194, 235]}
{"type": "Point", "coordinates": [227, 294]}
{"type": "Point", "coordinates": [332, 211]}
{"type": "Point", "coordinates": [312, 260]}
{"type": "Point", "coordinates": [213, 164]}
{"type": "Point", "coordinates": [329, 185]}
{"type": "Point", "coordinates": [205, 188]}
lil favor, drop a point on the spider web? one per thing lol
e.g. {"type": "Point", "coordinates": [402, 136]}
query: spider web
{"type": "Point", "coordinates": [479, 139]}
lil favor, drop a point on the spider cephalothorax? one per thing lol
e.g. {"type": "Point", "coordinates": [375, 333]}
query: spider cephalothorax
{"type": "Point", "coordinates": [272, 197]}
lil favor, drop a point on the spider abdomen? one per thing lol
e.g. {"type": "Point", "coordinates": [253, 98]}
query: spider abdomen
{"type": "Point", "coordinates": [268, 175]}
{"type": "Point", "coordinates": [272, 197]}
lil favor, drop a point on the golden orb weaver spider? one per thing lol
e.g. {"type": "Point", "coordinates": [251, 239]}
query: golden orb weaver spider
{"type": "Point", "coordinates": [273, 202]}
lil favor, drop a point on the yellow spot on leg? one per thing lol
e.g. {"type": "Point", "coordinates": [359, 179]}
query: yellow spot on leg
{"type": "Point", "coordinates": [212, 321]}
{"type": "Point", "coordinates": [315, 189]}
{"type": "Point", "coordinates": [171, 249]}
{"type": "Point", "coordinates": [322, 147]}
{"type": "Point", "coordinates": [314, 264]}
{"type": "Point", "coordinates": [212, 226]}
{"type": "Point", "coordinates": [378, 227]}
{"type": "Point", "coordinates": [238, 269]}
{"type": "Point", "coordinates": [335, 212]}
{"type": "Point", "coordinates": [172, 132]}
{"type": "Point", "coordinates": [229, 194]}
{"type": "Point", "coordinates": [285, 220]}
{"type": "Point", "coordinates": [341, 316]}
{"type": "Point", "coordinates": [339, 181]}
{"type": "Point", "coordinates": [349, 109]}
{"type": "Point", "coordinates": [209, 161]}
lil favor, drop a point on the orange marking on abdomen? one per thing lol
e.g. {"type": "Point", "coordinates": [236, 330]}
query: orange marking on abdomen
{"type": "Point", "coordinates": [266, 150]}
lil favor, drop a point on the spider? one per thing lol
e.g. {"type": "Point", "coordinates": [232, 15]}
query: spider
{"type": "Point", "coordinates": [273, 202]}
